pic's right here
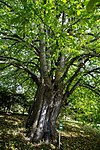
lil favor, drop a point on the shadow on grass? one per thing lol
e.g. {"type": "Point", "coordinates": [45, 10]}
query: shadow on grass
{"type": "Point", "coordinates": [78, 137]}
{"type": "Point", "coordinates": [11, 137]}
{"type": "Point", "coordinates": [73, 137]}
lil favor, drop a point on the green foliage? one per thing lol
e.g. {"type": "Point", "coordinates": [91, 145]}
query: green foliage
{"type": "Point", "coordinates": [91, 5]}
{"type": "Point", "coordinates": [75, 37]}
{"type": "Point", "coordinates": [84, 107]}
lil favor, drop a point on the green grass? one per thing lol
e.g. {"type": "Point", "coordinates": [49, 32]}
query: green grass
{"type": "Point", "coordinates": [73, 137]}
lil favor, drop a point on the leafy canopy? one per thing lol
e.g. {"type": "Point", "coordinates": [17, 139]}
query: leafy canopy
{"type": "Point", "coordinates": [69, 34]}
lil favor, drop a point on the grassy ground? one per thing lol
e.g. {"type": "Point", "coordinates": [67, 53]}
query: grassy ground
{"type": "Point", "coordinates": [73, 137]}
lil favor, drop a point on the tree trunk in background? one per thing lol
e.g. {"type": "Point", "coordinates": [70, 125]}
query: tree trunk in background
{"type": "Point", "coordinates": [43, 115]}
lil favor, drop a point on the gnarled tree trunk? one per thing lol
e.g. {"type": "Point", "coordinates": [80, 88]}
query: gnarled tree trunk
{"type": "Point", "coordinates": [43, 114]}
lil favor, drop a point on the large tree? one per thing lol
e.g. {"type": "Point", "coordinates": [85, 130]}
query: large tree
{"type": "Point", "coordinates": [54, 44]}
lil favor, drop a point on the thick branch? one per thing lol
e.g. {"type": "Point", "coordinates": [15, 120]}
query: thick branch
{"type": "Point", "coordinates": [68, 66]}
{"type": "Point", "coordinates": [93, 70]}
{"type": "Point", "coordinates": [67, 93]}
{"type": "Point", "coordinates": [11, 38]}
{"type": "Point", "coordinates": [92, 88]}
{"type": "Point", "coordinates": [17, 63]}
{"type": "Point", "coordinates": [75, 86]}
{"type": "Point", "coordinates": [4, 3]}
{"type": "Point", "coordinates": [93, 40]}
{"type": "Point", "coordinates": [33, 76]}
{"type": "Point", "coordinates": [79, 58]}
{"type": "Point", "coordinates": [17, 38]}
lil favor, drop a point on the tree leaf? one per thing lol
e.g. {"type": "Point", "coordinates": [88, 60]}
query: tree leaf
{"type": "Point", "coordinates": [91, 4]}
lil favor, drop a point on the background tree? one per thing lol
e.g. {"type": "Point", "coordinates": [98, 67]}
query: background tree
{"type": "Point", "coordinates": [54, 44]}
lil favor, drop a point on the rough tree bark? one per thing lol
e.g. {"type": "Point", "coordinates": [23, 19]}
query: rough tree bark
{"type": "Point", "coordinates": [43, 114]}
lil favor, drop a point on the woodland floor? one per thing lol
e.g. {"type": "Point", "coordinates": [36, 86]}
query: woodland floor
{"type": "Point", "coordinates": [73, 137]}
